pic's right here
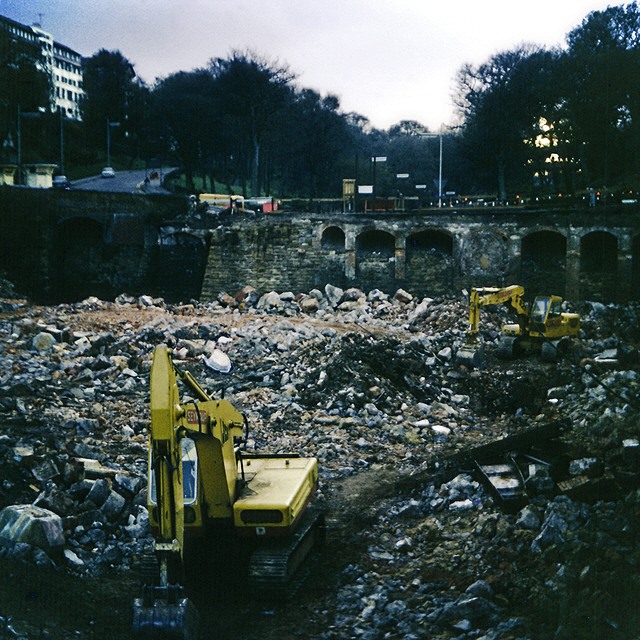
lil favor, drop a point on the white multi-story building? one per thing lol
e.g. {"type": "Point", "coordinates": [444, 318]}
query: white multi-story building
{"type": "Point", "coordinates": [63, 64]}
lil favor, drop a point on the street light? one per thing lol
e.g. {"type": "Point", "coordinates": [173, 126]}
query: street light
{"type": "Point", "coordinates": [375, 159]}
{"type": "Point", "coordinates": [109, 125]}
{"type": "Point", "coordinates": [401, 176]}
{"type": "Point", "coordinates": [437, 135]}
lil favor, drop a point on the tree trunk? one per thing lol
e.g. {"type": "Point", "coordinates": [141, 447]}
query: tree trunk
{"type": "Point", "coordinates": [502, 188]}
{"type": "Point", "coordinates": [255, 167]}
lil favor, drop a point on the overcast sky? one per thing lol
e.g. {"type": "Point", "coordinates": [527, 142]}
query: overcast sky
{"type": "Point", "coordinates": [388, 60]}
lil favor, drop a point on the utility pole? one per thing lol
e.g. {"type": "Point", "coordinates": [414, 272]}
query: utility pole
{"type": "Point", "coordinates": [109, 125]}
{"type": "Point", "coordinates": [61, 142]}
{"type": "Point", "coordinates": [437, 135]}
{"type": "Point", "coordinates": [19, 150]}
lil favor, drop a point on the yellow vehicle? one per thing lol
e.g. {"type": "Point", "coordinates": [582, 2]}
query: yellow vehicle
{"type": "Point", "coordinates": [202, 486]}
{"type": "Point", "coordinates": [222, 200]}
{"type": "Point", "coordinates": [539, 327]}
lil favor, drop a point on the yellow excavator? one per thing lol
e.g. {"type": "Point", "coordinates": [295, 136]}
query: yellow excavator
{"type": "Point", "coordinates": [539, 328]}
{"type": "Point", "coordinates": [203, 488]}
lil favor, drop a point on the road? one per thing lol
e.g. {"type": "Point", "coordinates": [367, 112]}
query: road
{"type": "Point", "coordinates": [124, 182]}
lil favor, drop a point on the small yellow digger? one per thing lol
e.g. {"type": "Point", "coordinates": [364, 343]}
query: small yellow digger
{"type": "Point", "coordinates": [539, 327]}
{"type": "Point", "coordinates": [204, 488]}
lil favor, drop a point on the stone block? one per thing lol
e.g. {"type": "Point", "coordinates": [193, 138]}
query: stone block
{"type": "Point", "coordinates": [113, 505]}
{"type": "Point", "coordinates": [31, 525]}
{"type": "Point", "coordinates": [99, 492]}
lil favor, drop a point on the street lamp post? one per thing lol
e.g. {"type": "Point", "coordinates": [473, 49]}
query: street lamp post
{"type": "Point", "coordinates": [401, 176]}
{"type": "Point", "coordinates": [437, 135]}
{"type": "Point", "coordinates": [375, 159]}
{"type": "Point", "coordinates": [61, 142]}
{"type": "Point", "coordinates": [19, 150]}
{"type": "Point", "coordinates": [109, 125]}
{"type": "Point", "coordinates": [440, 176]}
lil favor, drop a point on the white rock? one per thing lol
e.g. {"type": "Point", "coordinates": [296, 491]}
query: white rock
{"type": "Point", "coordinates": [440, 429]}
{"type": "Point", "coordinates": [218, 361]}
{"type": "Point", "coordinates": [43, 341]}
{"type": "Point", "coordinates": [73, 559]}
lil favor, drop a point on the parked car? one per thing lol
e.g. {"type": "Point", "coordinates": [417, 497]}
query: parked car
{"type": "Point", "coordinates": [61, 182]}
{"type": "Point", "coordinates": [108, 172]}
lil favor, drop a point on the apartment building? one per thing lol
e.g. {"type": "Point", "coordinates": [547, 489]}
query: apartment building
{"type": "Point", "coordinates": [63, 64]}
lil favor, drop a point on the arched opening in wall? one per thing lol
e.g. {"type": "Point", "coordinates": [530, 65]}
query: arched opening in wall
{"type": "Point", "coordinates": [375, 261]}
{"type": "Point", "coordinates": [599, 267]}
{"type": "Point", "coordinates": [331, 268]}
{"type": "Point", "coordinates": [333, 239]}
{"type": "Point", "coordinates": [429, 263]}
{"type": "Point", "coordinates": [179, 266]}
{"type": "Point", "coordinates": [543, 263]}
{"type": "Point", "coordinates": [82, 266]}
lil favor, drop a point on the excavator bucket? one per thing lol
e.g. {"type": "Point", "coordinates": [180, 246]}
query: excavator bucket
{"type": "Point", "coordinates": [163, 613]}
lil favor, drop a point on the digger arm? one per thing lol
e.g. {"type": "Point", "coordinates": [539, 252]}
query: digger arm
{"type": "Point", "coordinates": [163, 610]}
{"type": "Point", "coordinates": [165, 454]}
{"type": "Point", "coordinates": [510, 296]}
{"type": "Point", "coordinates": [213, 424]}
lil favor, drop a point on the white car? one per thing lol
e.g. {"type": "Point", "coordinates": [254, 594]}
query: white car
{"type": "Point", "coordinates": [108, 172]}
{"type": "Point", "coordinates": [61, 182]}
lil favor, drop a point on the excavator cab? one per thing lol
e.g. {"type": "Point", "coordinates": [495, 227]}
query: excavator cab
{"type": "Point", "coordinates": [540, 308]}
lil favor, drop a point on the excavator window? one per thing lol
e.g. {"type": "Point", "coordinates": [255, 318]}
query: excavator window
{"type": "Point", "coordinates": [189, 470]}
{"type": "Point", "coordinates": [539, 309]}
{"type": "Point", "coordinates": [189, 473]}
{"type": "Point", "coordinates": [556, 309]}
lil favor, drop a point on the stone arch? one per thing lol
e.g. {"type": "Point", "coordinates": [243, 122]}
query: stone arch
{"type": "Point", "coordinates": [429, 262]}
{"type": "Point", "coordinates": [375, 260]}
{"type": "Point", "coordinates": [331, 267]}
{"type": "Point", "coordinates": [544, 262]}
{"type": "Point", "coordinates": [179, 266]}
{"type": "Point", "coordinates": [82, 267]}
{"type": "Point", "coordinates": [599, 266]}
{"type": "Point", "coordinates": [333, 239]}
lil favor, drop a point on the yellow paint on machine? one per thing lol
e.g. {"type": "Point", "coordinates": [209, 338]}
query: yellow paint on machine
{"type": "Point", "coordinates": [275, 485]}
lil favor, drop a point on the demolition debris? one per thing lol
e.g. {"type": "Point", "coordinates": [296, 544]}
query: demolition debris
{"type": "Point", "coordinates": [492, 503]}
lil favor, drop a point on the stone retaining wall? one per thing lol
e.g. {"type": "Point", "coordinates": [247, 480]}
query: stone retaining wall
{"type": "Point", "coordinates": [64, 246]}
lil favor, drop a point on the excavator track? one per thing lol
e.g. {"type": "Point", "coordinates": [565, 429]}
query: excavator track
{"type": "Point", "coordinates": [276, 571]}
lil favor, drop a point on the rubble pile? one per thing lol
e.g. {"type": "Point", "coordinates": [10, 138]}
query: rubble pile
{"type": "Point", "coordinates": [368, 384]}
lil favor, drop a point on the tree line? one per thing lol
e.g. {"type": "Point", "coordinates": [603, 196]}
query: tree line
{"type": "Point", "coordinates": [530, 121]}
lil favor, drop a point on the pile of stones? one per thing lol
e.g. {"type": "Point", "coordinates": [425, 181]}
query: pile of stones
{"type": "Point", "coordinates": [368, 384]}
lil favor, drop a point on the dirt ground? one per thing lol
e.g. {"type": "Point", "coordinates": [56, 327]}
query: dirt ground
{"type": "Point", "coordinates": [52, 603]}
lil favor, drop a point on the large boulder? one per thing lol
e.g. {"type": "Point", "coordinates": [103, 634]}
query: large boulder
{"type": "Point", "coordinates": [31, 525]}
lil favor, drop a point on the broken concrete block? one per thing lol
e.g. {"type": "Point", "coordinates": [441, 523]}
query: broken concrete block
{"type": "Point", "coordinates": [99, 492]}
{"type": "Point", "coordinates": [128, 485]}
{"type": "Point", "coordinates": [113, 505]}
{"type": "Point", "coordinates": [334, 294]}
{"type": "Point", "coordinates": [309, 305]}
{"type": "Point", "coordinates": [528, 518]}
{"type": "Point", "coordinates": [402, 296]}
{"type": "Point", "coordinates": [31, 525]}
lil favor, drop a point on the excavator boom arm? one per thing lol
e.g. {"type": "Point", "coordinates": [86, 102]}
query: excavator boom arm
{"type": "Point", "coordinates": [510, 296]}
